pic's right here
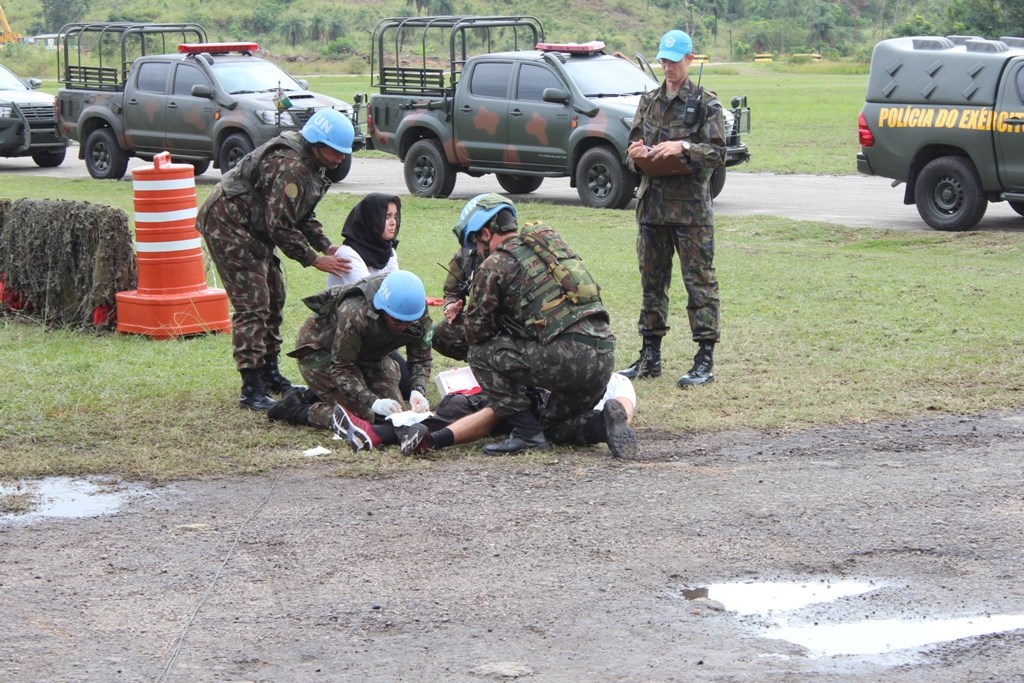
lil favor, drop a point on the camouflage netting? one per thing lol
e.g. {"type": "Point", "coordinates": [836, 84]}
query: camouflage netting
{"type": "Point", "coordinates": [65, 261]}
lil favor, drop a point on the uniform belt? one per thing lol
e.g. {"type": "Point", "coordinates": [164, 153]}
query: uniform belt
{"type": "Point", "coordinates": [599, 344]}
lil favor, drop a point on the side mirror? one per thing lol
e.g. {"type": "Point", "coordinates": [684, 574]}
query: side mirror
{"type": "Point", "coordinates": [34, 83]}
{"type": "Point", "coordinates": [556, 95]}
{"type": "Point", "coordinates": [303, 83]}
{"type": "Point", "coordinates": [202, 90]}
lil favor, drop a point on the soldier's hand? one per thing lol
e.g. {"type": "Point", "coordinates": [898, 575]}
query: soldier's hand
{"type": "Point", "coordinates": [451, 311]}
{"type": "Point", "coordinates": [335, 265]}
{"type": "Point", "coordinates": [386, 406]}
{"type": "Point", "coordinates": [418, 402]}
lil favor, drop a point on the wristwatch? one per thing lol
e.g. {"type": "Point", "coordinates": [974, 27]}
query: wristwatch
{"type": "Point", "coordinates": [686, 147]}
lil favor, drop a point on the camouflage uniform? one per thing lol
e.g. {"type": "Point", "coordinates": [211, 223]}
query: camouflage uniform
{"type": "Point", "coordinates": [674, 213]}
{"type": "Point", "coordinates": [344, 352]}
{"type": "Point", "coordinates": [266, 201]}
{"type": "Point", "coordinates": [450, 338]}
{"type": "Point", "coordinates": [509, 358]}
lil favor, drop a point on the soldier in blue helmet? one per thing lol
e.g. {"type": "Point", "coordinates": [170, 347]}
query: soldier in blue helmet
{"type": "Point", "coordinates": [267, 202]}
{"type": "Point", "coordinates": [344, 351]}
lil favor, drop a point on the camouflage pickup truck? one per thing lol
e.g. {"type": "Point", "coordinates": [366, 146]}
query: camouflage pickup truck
{"type": "Point", "coordinates": [506, 102]}
{"type": "Point", "coordinates": [168, 89]}
{"type": "Point", "coordinates": [28, 125]}
{"type": "Point", "coordinates": [945, 115]}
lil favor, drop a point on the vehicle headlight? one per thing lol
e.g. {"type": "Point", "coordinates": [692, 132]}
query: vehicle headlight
{"type": "Point", "coordinates": [272, 117]}
{"type": "Point", "coordinates": [6, 112]}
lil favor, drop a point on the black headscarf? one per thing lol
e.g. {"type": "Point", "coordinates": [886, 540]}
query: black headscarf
{"type": "Point", "coordinates": [364, 225]}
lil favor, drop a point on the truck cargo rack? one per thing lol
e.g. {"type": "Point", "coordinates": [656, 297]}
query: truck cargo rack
{"type": "Point", "coordinates": [400, 74]}
{"type": "Point", "coordinates": [85, 50]}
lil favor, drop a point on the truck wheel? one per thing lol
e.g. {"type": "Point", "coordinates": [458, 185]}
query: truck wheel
{"type": "Point", "coordinates": [602, 181]}
{"type": "Point", "coordinates": [103, 157]}
{"type": "Point", "coordinates": [948, 194]}
{"type": "Point", "coordinates": [236, 146]}
{"type": "Point", "coordinates": [336, 175]}
{"type": "Point", "coordinates": [1017, 206]}
{"type": "Point", "coordinates": [519, 184]}
{"type": "Point", "coordinates": [201, 167]}
{"type": "Point", "coordinates": [49, 159]}
{"type": "Point", "coordinates": [717, 181]}
{"type": "Point", "coordinates": [427, 171]}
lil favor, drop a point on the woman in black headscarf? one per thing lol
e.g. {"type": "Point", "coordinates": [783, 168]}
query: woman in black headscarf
{"type": "Point", "coordinates": [370, 237]}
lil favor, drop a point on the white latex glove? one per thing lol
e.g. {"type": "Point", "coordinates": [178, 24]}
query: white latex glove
{"type": "Point", "coordinates": [418, 402]}
{"type": "Point", "coordinates": [386, 406]}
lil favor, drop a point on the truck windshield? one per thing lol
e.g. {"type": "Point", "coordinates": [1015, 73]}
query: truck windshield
{"type": "Point", "coordinates": [609, 77]}
{"type": "Point", "coordinates": [253, 76]}
{"type": "Point", "coordinates": [9, 81]}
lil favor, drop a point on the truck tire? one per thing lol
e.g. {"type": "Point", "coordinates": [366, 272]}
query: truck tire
{"type": "Point", "coordinates": [336, 175]}
{"type": "Point", "coordinates": [602, 181]}
{"type": "Point", "coordinates": [200, 167]}
{"type": "Point", "coordinates": [104, 159]}
{"type": "Point", "coordinates": [717, 181]}
{"type": "Point", "coordinates": [49, 159]}
{"type": "Point", "coordinates": [948, 194]}
{"type": "Point", "coordinates": [234, 147]}
{"type": "Point", "coordinates": [427, 171]}
{"type": "Point", "coordinates": [519, 184]}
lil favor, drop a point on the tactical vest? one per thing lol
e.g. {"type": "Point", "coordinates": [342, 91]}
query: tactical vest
{"type": "Point", "coordinates": [244, 179]}
{"type": "Point", "coordinates": [325, 305]}
{"type": "Point", "coordinates": [560, 290]}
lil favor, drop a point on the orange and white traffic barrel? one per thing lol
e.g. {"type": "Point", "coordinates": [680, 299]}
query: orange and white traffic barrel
{"type": "Point", "coordinates": [172, 298]}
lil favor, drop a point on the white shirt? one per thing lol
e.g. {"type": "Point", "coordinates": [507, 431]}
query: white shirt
{"type": "Point", "coordinates": [359, 267]}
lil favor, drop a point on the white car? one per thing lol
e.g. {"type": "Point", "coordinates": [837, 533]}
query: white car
{"type": "Point", "coordinates": [28, 122]}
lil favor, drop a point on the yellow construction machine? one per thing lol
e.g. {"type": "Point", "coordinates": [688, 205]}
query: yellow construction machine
{"type": "Point", "coordinates": [6, 34]}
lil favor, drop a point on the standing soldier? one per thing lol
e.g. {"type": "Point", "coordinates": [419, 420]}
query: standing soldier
{"type": "Point", "coordinates": [534, 320]}
{"type": "Point", "coordinates": [682, 120]}
{"type": "Point", "coordinates": [264, 203]}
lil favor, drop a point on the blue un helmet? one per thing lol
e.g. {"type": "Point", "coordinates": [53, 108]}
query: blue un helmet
{"type": "Point", "coordinates": [477, 212]}
{"type": "Point", "coordinates": [330, 127]}
{"type": "Point", "coordinates": [402, 296]}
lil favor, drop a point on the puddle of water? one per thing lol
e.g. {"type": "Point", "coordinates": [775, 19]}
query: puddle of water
{"type": "Point", "coordinates": [764, 598]}
{"type": "Point", "coordinates": [886, 635]}
{"type": "Point", "coordinates": [784, 604]}
{"type": "Point", "coordinates": [68, 498]}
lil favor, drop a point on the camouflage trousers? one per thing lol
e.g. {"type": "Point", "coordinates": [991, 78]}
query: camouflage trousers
{"type": "Point", "coordinates": [380, 378]}
{"type": "Point", "coordinates": [575, 373]}
{"type": "Point", "coordinates": [695, 245]}
{"type": "Point", "coordinates": [251, 275]}
{"type": "Point", "coordinates": [450, 339]}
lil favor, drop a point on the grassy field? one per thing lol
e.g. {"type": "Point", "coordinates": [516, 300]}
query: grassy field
{"type": "Point", "coordinates": [820, 325]}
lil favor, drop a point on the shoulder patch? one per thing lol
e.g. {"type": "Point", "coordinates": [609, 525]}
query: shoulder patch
{"type": "Point", "coordinates": [291, 190]}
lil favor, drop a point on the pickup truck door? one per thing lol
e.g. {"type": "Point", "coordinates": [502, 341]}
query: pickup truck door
{"type": "Point", "coordinates": [145, 106]}
{"type": "Point", "coordinates": [1009, 128]}
{"type": "Point", "coordinates": [189, 119]}
{"type": "Point", "coordinates": [481, 113]}
{"type": "Point", "coordinates": [538, 131]}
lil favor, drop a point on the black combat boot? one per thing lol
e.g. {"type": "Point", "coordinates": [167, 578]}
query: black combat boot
{"type": "Point", "coordinates": [703, 366]}
{"type": "Point", "coordinates": [292, 408]}
{"type": "Point", "coordinates": [649, 362]}
{"type": "Point", "coordinates": [273, 381]}
{"type": "Point", "coordinates": [254, 394]}
{"type": "Point", "coordinates": [610, 425]}
{"type": "Point", "coordinates": [526, 435]}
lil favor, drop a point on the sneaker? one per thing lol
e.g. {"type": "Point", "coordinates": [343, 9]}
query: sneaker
{"type": "Point", "coordinates": [355, 430]}
{"type": "Point", "coordinates": [413, 439]}
{"type": "Point", "coordinates": [621, 439]}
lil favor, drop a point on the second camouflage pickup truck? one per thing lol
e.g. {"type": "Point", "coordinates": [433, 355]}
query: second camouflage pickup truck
{"type": "Point", "coordinates": [506, 102]}
{"type": "Point", "coordinates": [141, 89]}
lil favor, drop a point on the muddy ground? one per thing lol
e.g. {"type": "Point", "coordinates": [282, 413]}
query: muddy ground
{"type": "Point", "coordinates": [567, 568]}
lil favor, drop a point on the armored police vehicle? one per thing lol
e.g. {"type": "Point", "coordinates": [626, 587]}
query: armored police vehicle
{"type": "Point", "coordinates": [945, 115]}
{"type": "Point", "coordinates": [480, 95]}
{"type": "Point", "coordinates": [141, 89]}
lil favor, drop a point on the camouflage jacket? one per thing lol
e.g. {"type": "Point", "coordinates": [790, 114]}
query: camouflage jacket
{"type": "Point", "coordinates": [356, 336]}
{"type": "Point", "coordinates": [273, 192]}
{"type": "Point", "coordinates": [496, 300]}
{"type": "Point", "coordinates": [681, 199]}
